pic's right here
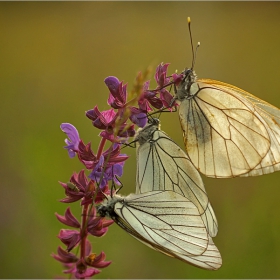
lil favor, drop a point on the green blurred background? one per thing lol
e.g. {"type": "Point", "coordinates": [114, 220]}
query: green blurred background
{"type": "Point", "coordinates": [54, 57]}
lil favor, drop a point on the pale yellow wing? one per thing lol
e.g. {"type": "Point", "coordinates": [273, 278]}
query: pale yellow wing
{"type": "Point", "coordinates": [271, 119]}
{"type": "Point", "coordinates": [169, 223]}
{"type": "Point", "coordinates": [224, 134]}
{"type": "Point", "coordinates": [163, 165]}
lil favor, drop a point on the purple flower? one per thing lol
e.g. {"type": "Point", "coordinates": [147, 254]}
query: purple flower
{"type": "Point", "coordinates": [138, 117]}
{"type": "Point", "coordinates": [80, 187]}
{"type": "Point", "coordinates": [149, 97]}
{"type": "Point", "coordinates": [89, 159]}
{"type": "Point", "coordinates": [69, 237]}
{"type": "Point", "coordinates": [118, 93]}
{"type": "Point", "coordinates": [97, 261]}
{"type": "Point", "coordinates": [74, 139]}
{"type": "Point", "coordinates": [163, 81]}
{"type": "Point", "coordinates": [177, 78]}
{"type": "Point", "coordinates": [97, 226]}
{"type": "Point", "coordinates": [160, 75]}
{"type": "Point", "coordinates": [106, 121]}
{"type": "Point", "coordinates": [86, 155]}
{"type": "Point", "coordinates": [118, 100]}
{"type": "Point", "coordinates": [93, 260]}
{"type": "Point", "coordinates": [64, 256]}
{"type": "Point", "coordinates": [68, 219]}
{"type": "Point", "coordinates": [82, 268]}
{"type": "Point", "coordinates": [102, 175]}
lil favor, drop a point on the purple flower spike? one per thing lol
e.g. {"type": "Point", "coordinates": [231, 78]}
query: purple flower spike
{"type": "Point", "coordinates": [74, 138]}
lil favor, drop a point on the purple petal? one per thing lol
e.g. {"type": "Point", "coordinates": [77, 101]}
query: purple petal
{"type": "Point", "coordinates": [93, 114]}
{"type": "Point", "coordinates": [177, 78]}
{"type": "Point", "coordinates": [100, 262]}
{"type": "Point", "coordinates": [113, 84]}
{"type": "Point", "coordinates": [140, 119]}
{"type": "Point", "coordinates": [68, 219]}
{"type": "Point", "coordinates": [88, 247]}
{"type": "Point", "coordinates": [74, 138]}
{"type": "Point", "coordinates": [97, 175]}
{"type": "Point", "coordinates": [108, 136]}
{"type": "Point", "coordinates": [87, 274]}
{"type": "Point", "coordinates": [69, 237]}
{"type": "Point", "coordinates": [108, 115]}
{"type": "Point", "coordinates": [64, 256]}
{"type": "Point", "coordinates": [115, 170]}
{"type": "Point", "coordinates": [166, 98]}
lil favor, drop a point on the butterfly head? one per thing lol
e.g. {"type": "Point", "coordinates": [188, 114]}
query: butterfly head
{"type": "Point", "coordinates": [146, 134]}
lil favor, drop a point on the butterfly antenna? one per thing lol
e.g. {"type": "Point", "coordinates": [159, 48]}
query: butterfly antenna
{"type": "Point", "coordinates": [198, 44]}
{"type": "Point", "coordinates": [190, 32]}
{"type": "Point", "coordinates": [114, 186]}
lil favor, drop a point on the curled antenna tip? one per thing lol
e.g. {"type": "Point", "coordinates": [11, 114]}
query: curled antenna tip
{"type": "Point", "coordinates": [189, 20]}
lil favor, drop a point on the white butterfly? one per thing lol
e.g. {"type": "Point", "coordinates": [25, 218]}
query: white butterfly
{"type": "Point", "coordinates": [166, 222]}
{"type": "Point", "coordinates": [227, 131]}
{"type": "Point", "coordinates": [163, 165]}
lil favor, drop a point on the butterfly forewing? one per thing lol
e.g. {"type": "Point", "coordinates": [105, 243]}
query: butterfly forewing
{"type": "Point", "coordinates": [169, 223]}
{"type": "Point", "coordinates": [163, 165]}
{"type": "Point", "coordinates": [269, 116]}
{"type": "Point", "coordinates": [224, 134]}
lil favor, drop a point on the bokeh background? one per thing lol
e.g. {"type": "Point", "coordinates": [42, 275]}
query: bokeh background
{"type": "Point", "coordinates": [54, 57]}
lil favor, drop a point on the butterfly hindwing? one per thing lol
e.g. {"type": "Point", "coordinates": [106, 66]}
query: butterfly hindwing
{"type": "Point", "coordinates": [169, 223]}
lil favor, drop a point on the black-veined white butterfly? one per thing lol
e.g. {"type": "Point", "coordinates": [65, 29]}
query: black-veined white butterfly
{"type": "Point", "coordinates": [166, 222]}
{"type": "Point", "coordinates": [227, 131]}
{"type": "Point", "coordinates": [163, 165]}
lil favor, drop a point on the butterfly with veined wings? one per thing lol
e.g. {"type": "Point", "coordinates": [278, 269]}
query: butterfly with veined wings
{"type": "Point", "coordinates": [163, 165]}
{"type": "Point", "coordinates": [227, 131]}
{"type": "Point", "coordinates": [166, 222]}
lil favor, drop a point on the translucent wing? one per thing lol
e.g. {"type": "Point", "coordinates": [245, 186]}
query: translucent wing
{"type": "Point", "coordinates": [163, 165]}
{"type": "Point", "coordinates": [225, 133]}
{"type": "Point", "coordinates": [271, 119]}
{"type": "Point", "coordinates": [169, 223]}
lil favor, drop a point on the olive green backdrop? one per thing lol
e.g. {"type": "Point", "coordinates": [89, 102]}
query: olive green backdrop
{"type": "Point", "coordinates": [54, 57]}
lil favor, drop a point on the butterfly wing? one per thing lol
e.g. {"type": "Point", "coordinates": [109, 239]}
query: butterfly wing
{"type": "Point", "coordinates": [163, 165]}
{"type": "Point", "coordinates": [169, 223]}
{"type": "Point", "coordinates": [223, 133]}
{"type": "Point", "coordinates": [270, 117]}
